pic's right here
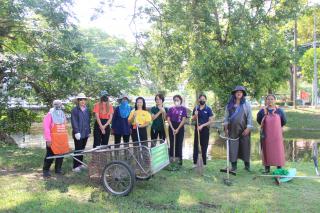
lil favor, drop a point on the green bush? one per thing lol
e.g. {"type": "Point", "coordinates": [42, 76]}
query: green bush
{"type": "Point", "coordinates": [17, 120]}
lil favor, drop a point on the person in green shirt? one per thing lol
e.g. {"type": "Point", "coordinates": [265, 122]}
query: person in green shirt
{"type": "Point", "coordinates": [159, 114]}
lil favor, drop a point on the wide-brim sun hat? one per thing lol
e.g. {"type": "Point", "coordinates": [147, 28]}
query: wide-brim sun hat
{"type": "Point", "coordinates": [122, 96]}
{"type": "Point", "coordinates": [81, 96]}
{"type": "Point", "coordinates": [239, 88]}
{"type": "Point", "coordinates": [57, 103]}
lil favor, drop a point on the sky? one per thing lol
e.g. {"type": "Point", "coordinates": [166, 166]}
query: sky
{"type": "Point", "coordinates": [115, 20]}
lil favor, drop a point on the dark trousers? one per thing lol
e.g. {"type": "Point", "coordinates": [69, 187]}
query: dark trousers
{"type": "Point", "coordinates": [117, 139]}
{"type": "Point", "coordinates": [155, 134]}
{"type": "Point", "coordinates": [98, 137]}
{"type": "Point", "coordinates": [47, 162]}
{"type": "Point", "coordinates": [79, 145]}
{"type": "Point", "coordinates": [204, 141]}
{"type": "Point", "coordinates": [179, 141]}
{"type": "Point", "coordinates": [142, 133]}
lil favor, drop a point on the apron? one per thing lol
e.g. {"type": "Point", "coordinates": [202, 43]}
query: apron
{"type": "Point", "coordinates": [237, 124]}
{"type": "Point", "coordinates": [272, 145]}
{"type": "Point", "coordinates": [59, 139]}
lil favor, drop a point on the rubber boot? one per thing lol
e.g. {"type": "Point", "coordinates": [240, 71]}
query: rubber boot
{"type": "Point", "coordinates": [247, 166]}
{"type": "Point", "coordinates": [234, 166]}
{"type": "Point", "coordinates": [266, 170]}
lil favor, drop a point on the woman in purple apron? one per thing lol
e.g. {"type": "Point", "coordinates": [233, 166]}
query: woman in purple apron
{"type": "Point", "coordinates": [238, 124]}
{"type": "Point", "coordinates": [272, 119]}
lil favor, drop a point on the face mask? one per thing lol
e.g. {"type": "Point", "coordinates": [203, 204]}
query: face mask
{"type": "Point", "coordinates": [202, 102]}
{"type": "Point", "coordinates": [177, 103]}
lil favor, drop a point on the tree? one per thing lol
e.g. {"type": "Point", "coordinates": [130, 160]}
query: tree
{"type": "Point", "coordinates": [219, 44]}
{"type": "Point", "coordinates": [307, 64]}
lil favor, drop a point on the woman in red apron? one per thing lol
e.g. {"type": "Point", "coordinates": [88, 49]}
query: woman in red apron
{"type": "Point", "coordinates": [56, 136]}
{"type": "Point", "coordinates": [272, 119]}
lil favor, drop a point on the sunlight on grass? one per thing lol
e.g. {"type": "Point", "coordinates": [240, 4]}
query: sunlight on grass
{"type": "Point", "coordinates": [186, 199]}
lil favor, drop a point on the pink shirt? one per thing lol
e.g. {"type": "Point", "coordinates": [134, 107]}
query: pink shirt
{"type": "Point", "coordinates": [47, 125]}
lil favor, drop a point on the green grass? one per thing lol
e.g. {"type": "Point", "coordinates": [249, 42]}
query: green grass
{"type": "Point", "coordinates": [24, 190]}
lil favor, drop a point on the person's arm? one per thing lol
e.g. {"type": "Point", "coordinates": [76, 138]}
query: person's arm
{"type": "Point", "coordinates": [131, 117]}
{"type": "Point", "coordinates": [226, 120]}
{"type": "Point", "coordinates": [249, 120]}
{"type": "Point", "coordinates": [74, 121]}
{"type": "Point", "coordinates": [194, 114]}
{"type": "Point", "coordinates": [109, 121]}
{"type": "Point", "coordinates": [47, 120]}
{"type": "Point", "coordinates": [169, 120]}
{"type": "Point", "coordinates": [249, 116]}
{"type": "Point", "coordinates": [210, 121]}
{"type": "Point", "coordinates": [110, 117]}
{"type": "Point", "coordinates": [184, 119]}
{"type": "Point", "coordinates": [260, 116]}
{"type": "Point", "coordinates": [283, 117]}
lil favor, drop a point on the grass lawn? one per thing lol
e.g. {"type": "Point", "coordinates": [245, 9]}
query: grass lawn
{"type": "Point", "coordinates": [24, 190]}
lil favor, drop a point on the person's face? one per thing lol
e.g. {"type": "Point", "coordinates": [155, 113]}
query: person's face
{"type": "Point", "coordinates": [124, 100]}
{"type": "Point", "coordinates": [177, 101]}
{"type": "Point", "coordinates": [82, 102]}
{"type": "Point", "coordinates": [139, 103]}
{"type": "Point", "coordinates": [158, 101]}
{"type": "Point", "coordinates": [270, 100]}
{"type": "Point", "coordinates": [202, 100]}
{"type": "Point", "coordinates": [239, 94]}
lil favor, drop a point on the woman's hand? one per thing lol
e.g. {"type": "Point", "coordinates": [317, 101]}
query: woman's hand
{"type": "Point", "coordinates": [246, 132]}
{"type": "Point", "coordinates": [200, 127]}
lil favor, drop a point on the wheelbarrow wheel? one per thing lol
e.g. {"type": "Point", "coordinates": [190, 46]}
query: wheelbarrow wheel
{"type": "Point", "coordinates": [118, 178]}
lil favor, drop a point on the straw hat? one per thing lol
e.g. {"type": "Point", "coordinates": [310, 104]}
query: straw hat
{"type": "Point", "coordinates": [81, 96]}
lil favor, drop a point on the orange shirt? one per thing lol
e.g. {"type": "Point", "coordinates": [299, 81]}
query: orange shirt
{"type": "Point", "coordinates": [103, 114]}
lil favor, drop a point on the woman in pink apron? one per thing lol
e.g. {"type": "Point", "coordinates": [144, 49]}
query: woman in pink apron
{"type": "Point", "coordinates": [272, 119]}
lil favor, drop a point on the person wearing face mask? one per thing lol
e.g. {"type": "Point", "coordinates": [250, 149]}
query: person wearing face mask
{"type": "Point", "coordinates": [238, 124]}
{"type": "Point", "coordinates": [272, 119]}
{"type": "Point", "coordinates": [205, 118]}
{"type": "Point", "coordinates": [56, 136]}
{"type": "Point", "coordinates": [120, 125]}
{"type": "Point", "coordinates": [103, 111]}
{"type": "Point", "coordinates": [177, 117]}
{"type": "Point", "coordinates": [80, 121]}
{"type": "Point", "coordinates": [140, 119]}
{"type": "Point", "coordinates": [159, 114]}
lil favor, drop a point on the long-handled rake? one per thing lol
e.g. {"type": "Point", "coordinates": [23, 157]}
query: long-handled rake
{"type": "Point", "coordinates": [227, 181]}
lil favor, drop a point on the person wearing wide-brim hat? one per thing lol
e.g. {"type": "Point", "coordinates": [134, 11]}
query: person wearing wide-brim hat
{"type": "Point", "coordinates": [103, 113]}
{"type": "Point", "coordinates": [56, 137]}
{"type": "Point", "coordinates": [120, 125]}
{"type": "Point", "coordinates": [238, 124]}
{"type": "Point", "coordinates": [80, 120]}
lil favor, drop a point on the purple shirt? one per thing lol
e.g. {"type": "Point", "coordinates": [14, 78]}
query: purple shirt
{"type": "Point", "coordinates": [177, 113]}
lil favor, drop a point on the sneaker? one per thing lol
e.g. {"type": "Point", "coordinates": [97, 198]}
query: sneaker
{"type": "Point", "coordinates": [46, 174]}
{"type": "Point", "coordinates": [77, 169]}
{"type": "Point", "coordinates": [59, 172]}
{"type": "Point", "coordinates": [83, 166]}
{"type": "Point", "coordinates": [247, 168]}
{"type": "Point", "coordinates": [194, 166]}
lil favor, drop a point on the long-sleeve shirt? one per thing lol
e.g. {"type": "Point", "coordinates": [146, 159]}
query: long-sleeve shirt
{"type": "Point", "coordinates": [47, 125]}
{"type": "Point", "coordinates": [248, 111]}
{"type": "Point", "coordinates": [278, 111]}
{"type": "Point", "coordinates": [80, 121]}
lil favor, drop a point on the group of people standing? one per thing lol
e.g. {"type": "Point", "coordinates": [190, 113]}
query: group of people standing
{"type": "Point", "coordinates": [124, 122]}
